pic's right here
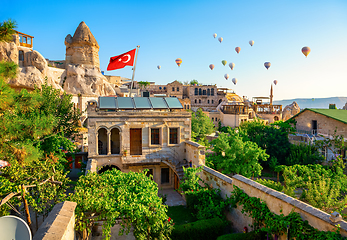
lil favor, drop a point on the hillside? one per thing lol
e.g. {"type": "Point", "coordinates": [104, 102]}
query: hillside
{"type": "Point", "coordinates": [315, 103]}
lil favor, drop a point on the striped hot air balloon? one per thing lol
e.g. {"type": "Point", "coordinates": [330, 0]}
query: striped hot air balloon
{"type": "Point", "coordinates": [178, 61]}
{"type": "Point", "coordinates": [224, 62]}
{"type": "Point", "coordinates": [211, 66]}
{"type": "Point", "coordinates": [231, 65]}
{"type": "Point", "coordinates": [237, 49]}
{"type": "Point", "coordinates": [215, 35]}
{"type": "Point", "coordinates": [251, 42]}
{"type": "Point", "coordinates": [220, 39]}
{"type": "Point", "coordinates": [306, 51]}
{"type": "Point", "coordinates": [234, 80]}
{"type": "Point", "coordinates": [267, 65]}
{"type": "Point", "coordinates": [226, 76]}
{"type": "Point", "coordinates": [275, 82]}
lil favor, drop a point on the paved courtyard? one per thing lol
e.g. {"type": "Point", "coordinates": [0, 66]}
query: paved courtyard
{"type": "Point", "coordinates": [173, 197]}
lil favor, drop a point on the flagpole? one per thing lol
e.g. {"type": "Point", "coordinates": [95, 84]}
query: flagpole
{"type": "Point", "coordinates": [132, 79]}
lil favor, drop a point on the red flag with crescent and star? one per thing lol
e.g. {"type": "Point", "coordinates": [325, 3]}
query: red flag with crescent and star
{"type": "Point", "coordinates": [120, 61]}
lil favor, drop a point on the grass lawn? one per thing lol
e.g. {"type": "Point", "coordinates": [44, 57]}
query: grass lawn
{"type": "Point", "coordinates": [181, 215]}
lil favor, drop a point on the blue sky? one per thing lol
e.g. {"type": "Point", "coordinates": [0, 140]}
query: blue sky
{"type": "Point", "coordinates": [167, 30]}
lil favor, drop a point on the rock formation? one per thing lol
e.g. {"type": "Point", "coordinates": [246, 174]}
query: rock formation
{"type": "Point", "coordinates": [290, 110]}
{"type": "Point", "coordinates": [82, 65]}
{"type": "Point", "coordinates": [345, 107]}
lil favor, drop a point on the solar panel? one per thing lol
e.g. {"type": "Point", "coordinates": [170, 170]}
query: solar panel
{"type": "Point", "coordinates": [107, 102]}
{"type": "Point", "coordinates": [142, 102]}
{"type": "Point", "coordinates": [125, 103]}
{"type": "Point", "coordinates": [173, 102]}
{"type": "Point", "coordinates": [158, 103]}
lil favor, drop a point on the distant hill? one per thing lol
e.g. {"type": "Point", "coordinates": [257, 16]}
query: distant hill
{"type": "Point", "coordinates": [314, 102]}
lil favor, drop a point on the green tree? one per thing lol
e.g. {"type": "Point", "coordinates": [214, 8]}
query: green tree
{"type": "Point", "coordinates": [7, 30]}
{"type": "Point", "coordinates": [201, 125]}
{"type": "Point", "coordinates": [143, 84]}
{"type": "Point", "coordinates": [192, 82]}
{"type": "Point", "coordinates": [235, 155]}
{"type": "Point", "coordinates": [131, 197]}
{"type": "Point", "coordinates": [272, 138]}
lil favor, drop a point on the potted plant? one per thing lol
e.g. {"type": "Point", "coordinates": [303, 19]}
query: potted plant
{"type": "Point", "coordinates": [125, 152]}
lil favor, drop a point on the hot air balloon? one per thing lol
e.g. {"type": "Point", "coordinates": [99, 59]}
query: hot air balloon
{"type": "Point", "coordinates": [231, 65]}
{"type": "Point", "coordinates": [275, 82]}
{"type": "Point", "coordinates": [234, 80]}
{"type": "Point", "coordinates": [158, 66]}
{"type": "Point", "coordinates": [237, 49]}
{"type": "Point", "coordinates": [178, 61]}
{"type": "Point", "coordinates": [220, 39]}
{"type": "Point", "coordinates": [211, 66]}
{"type": "Point", "coordinates": [215, 35]}
{"type": "Point", "coordinates": [306, 51]}
{"type": "Point", "coordinates": [224, 62]}
{"type": "Point", "coordinates": [267, 65]}
{"type": "Point", "coordinates": [226, 76]}
{"type": "Point", "coordinates": [251, 42]}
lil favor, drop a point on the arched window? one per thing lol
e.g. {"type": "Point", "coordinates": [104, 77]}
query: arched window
{"type": "Point", "coordinates": [199, 100]}
{"type": "Point", "coordinates": [208, 92]}
{"type": "Point", "coordinates": [102, 141]}
{"type": "Point", "coordinates": [212, 101]}
{"type": "Point", "coordinates": [200, 91]}
{"type": "Point", "coordinates": [212, 91]}
{"type": "Point", "coordinates": [159, 88]}
{"type": "Point", "coordinates": [212, 119]}
{"type": "Point", "coordinates": [115, 141]}
{"type": "Point", "coordinates": [196, 92]}
{"type": "Point", "coordinates": [187, 106]}
{"type": "Point", "coordinates": [208, 101]}
{"type": "Point", "coordinates": [276, 118]}
{"type": "Point", "coordinates": [204, 92]}
{"type": "Point", "coordinates": [195, 101]}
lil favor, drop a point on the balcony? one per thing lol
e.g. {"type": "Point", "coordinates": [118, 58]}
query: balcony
{"type": "Point", "coordinates": [25, 40]}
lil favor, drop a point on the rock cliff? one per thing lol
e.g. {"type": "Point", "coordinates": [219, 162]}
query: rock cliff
{"type": "Point", "coordinates": [83, 73]}
{"type": "Point", "coordinates": [290, 110]}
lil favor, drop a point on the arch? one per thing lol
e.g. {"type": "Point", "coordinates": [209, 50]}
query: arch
{"type": "Point", "coordinates": [200, 92]}
{"type": "Point", "coordinates": [196, 91]}
{"type": "Point", "coordinates": [115, 140]}
{"type": "Point", "coordinates": [107, 167]}
{"type": "Point", "coordinates": [208, 101]}
{"type": "Point", "coordinates": [102, 141]}
{"type": "Point", "coordinates": [208, 92]}
{"type": "Point", "coordinates": [220, 100]}
{"type": "Point", "coordinates": [276, 118]}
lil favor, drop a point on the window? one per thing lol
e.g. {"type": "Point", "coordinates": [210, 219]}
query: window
{"type": "Point", "coordinates": [178, 89]}
{"type": "Point", "coordinates": [173, 89]}
{"type": "Point", "coordinates": [149, 172]}
{"type": "Point", "coordinates": [195, 101]}
{"type": "Point", "coordinates": [208, 101]}
{"type": "Point", "coordinates": [164, 88]}
{"type": "Point", "coordinates": [21, 55]}
{"type": "Point", "coordinates": [187, 106]}
{"type": "Point", "coordinates": [159, 88]}
{"type": "Point", "coordinates": [212, 91]}
{"type": "Point", "coordinates": [165, 175]}
{"type": "Point", "coordinates": [196, 91]}
{"type": "Point", "coordinates": [204, 92]}
{"type": "Point", "coordinates": [212, 101]}
{"type": "Point", "coordinates": [199, 100]}
{"type": "Point", "coordinates": [212, 119]}
{"type": "Point", "coordinates": [208, 92]}
{"type": "Point", "coordinates": [199, 91]}
{"type": "Point", "coordinates": [155, 140]}
{"type": "Point", "coordinates": [276, 118]}
{"type": "Point", "coordinates": [173, 136]}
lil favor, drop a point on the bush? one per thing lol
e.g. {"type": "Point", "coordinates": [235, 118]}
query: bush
{"type": "Point", "coordinates": [303, 154]}
{"type": "Point", "coordinates": [203, 229]}
{"type": "Point", "coordinates": [206, 203]}
{"type": "Point", "coordinates": [245, 236]}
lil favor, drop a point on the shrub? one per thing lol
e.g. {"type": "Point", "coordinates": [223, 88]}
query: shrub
{"type": "Point", "coordinates": [303, 154]}
{"type": "Point", "coordinates": [206, 203]}
{"type": "Point", "coordinates": [203, 229]}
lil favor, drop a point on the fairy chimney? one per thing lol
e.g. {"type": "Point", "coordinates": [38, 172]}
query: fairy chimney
{"type": "Point", "coordinates": [82, 48]}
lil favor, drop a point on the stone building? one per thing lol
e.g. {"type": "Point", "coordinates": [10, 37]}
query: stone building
{"type": "Point", "coordinates": [133, 134]}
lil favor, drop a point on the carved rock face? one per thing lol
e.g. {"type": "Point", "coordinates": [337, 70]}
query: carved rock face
{"type": "Point", "coordinates": [290, 110]}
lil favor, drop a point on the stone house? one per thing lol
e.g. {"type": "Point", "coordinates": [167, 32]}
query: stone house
{"type": "Point", "coordinates": [316, 124]}
{"type": "Point", "coordinates": [133, 134]}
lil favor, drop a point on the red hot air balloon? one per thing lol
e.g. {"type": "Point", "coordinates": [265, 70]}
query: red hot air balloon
{"type": "Point", "coordinates": [275, 82]}
{"type": "Point", "coordinates": [306, 51]}
{"type": "Point", "coordinates": [237, 49]}
{"type": "Point", "coordinates": [178, 61]}
{"type": "Point", "coordinates": [211, 66]}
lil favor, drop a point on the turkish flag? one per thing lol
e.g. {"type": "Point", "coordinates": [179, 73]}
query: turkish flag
{"type": "Point", "coordinates": [120, 61]}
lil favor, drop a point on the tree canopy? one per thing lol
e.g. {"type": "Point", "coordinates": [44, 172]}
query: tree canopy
{"type": "Point", "coordinates": [201, 126]}
{"type": "Point", "coordinates": [7, 30]}
{"type": "Point", "coordinates": [112, 195]}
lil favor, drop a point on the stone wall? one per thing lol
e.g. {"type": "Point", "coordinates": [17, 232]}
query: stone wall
{"type": "Point", "coordinates": [60, 223]}
{"type": "Point", "coordinates": [276, 201]}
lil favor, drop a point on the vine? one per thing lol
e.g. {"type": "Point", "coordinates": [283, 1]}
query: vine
{"type": "Point", "coordinates": [272, 223]}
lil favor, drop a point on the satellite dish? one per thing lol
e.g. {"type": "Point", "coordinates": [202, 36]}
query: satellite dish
{"type": "Point", "coordinates": [14, 228]}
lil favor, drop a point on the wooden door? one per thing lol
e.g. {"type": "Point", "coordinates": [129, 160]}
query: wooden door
{"type": "Point", "coordinates": [177, 185]}
{"type": "Point", "coordinates": [135, 141]}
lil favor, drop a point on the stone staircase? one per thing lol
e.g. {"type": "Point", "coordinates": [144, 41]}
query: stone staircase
{"type": "Point", "coordinates": [179, 169]}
